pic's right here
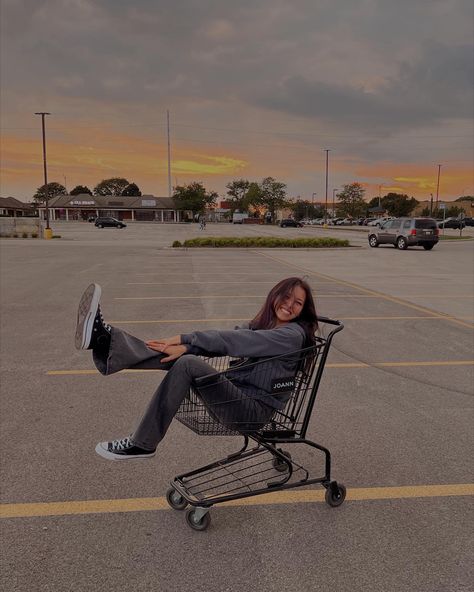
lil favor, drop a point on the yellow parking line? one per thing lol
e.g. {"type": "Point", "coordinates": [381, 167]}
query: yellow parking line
{"type": "Point", "coordinates": [375, 318]}
{"type": "Point", "coordinates": [85, 372]}
{"type": "Point", "coordinates": [234, 297]}
{"type": "Point", "coordinates": [70, 508]}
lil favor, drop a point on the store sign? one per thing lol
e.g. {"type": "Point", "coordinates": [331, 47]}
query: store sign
{"type": "Point", "coordinates": [151, 203]}
{"type": "Point", "coordinates": [82, 203]}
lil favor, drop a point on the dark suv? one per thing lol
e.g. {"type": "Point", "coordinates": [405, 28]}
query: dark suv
{"type": "Point", "coordinates": [109, 223]}
{"type": "Point", "coordinates": [406, 232]}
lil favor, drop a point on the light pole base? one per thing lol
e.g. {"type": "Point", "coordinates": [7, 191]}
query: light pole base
{"type": "Point", "coordinates": [47, 233]}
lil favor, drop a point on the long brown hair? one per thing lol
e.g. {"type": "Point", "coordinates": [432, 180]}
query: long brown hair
{"type": "Point", "coordinates": [266, 317]}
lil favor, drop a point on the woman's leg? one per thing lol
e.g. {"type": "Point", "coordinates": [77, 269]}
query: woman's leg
{"type": "Point", "coordinates": [160, 412]}
{"type": "Point", "coordinates": [224, 400]}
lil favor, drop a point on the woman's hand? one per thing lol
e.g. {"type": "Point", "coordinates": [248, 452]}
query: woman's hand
{"type": "Point", "coordinates": [170, 346]}
{"type": "Point", "coordinates": [173, 352]}
{"type": "Point", "coordinates": [158, 344]}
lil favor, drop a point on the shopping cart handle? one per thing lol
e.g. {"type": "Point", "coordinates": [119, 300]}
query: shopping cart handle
{"type": "Point", "coordinates": [329, 321]}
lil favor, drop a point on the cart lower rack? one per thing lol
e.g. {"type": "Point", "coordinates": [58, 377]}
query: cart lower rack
{"type": "Point", "coordinates": [215, 406]}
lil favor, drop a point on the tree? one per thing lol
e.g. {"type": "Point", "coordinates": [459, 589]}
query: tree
{"type": "Point", "coordinates": [453, 211]}
{"type": "Point", "coordinates": [132, 190]}
{"type": "Point", "coordinates": [113, 186]}
{"type": "Point", "coordinates": [78, 189]}
{"type": "Point", "coordinates": [53, 190]}
{"type": "Point", "coordinates": [398, 204]}
{"type": "Point", "coordinates": [351, 201]}
{"type": "Point", "coordinates": [238, 195]}
{"type": "Point", "coordinates": [194, 197]}
{"type": "Point", "coordinates": [302, 208]}
{"type": "Point", "coordinates": [271, 195]}
{"type": "Point", "coordinates": [375, 202]}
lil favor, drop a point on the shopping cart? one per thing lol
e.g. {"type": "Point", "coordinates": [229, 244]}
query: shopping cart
{"type": "Point", "coordinates": [266, 467]}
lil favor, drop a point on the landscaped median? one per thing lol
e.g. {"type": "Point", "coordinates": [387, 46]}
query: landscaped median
{"type": "Point", "coordinates": [263, 242]}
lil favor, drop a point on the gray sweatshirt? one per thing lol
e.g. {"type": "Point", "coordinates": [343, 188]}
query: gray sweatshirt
{"type": "Point", "coordinates": [271, 381]}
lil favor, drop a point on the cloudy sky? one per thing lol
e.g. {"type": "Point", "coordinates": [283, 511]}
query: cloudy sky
{"type": "Point", "coordinates": [254, 88]}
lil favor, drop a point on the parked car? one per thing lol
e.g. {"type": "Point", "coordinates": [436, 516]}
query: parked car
{"type": "Point", "coordinates": [469, 221]}
{"type": "Point", "coordinates": [452, 223]}
{"type": "Point", "coordinates": [289, 222]}
{"type": "Point", "coordinates": [406, 232]}
{"type": "Point", "coordinates": [108, 222]}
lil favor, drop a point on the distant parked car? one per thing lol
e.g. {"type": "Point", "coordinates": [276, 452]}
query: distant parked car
{"type": "Point", "coordinates": [469, 221]}
{"type": "Point", "coordinates": [289, 222]}
{"type": "Point", "coordinates": [406, 232]}
{"type": "Point", "coordinates": [109, 223]}
{"type": "Point", "coordinates": [452, 223]}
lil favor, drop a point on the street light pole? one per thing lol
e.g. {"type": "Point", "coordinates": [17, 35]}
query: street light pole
{"type": "Point", "coordinates": [312, 203]}
{"type": "Point", "coordinates": [327, 150]}
{"type": "Point", "coordinates": [46, 192]}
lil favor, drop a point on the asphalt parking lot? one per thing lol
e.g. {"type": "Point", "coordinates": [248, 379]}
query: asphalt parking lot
{"type": "Point", "coordinates": [394, 407]}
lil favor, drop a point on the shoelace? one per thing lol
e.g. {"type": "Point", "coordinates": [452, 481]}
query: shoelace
{"type": "Point", "coordinates": [106, 326]}
{"type": "Point", "coordinates": [101, 321]}
{"type": "Point", "coordinates": [121, 444]}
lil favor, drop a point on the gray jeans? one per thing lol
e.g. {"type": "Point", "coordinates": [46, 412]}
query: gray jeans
{"type": "Point", "coordinates": [126, 351]}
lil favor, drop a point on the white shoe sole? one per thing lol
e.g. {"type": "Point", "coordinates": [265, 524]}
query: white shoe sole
{"type": "Point", "coordinates": [86, 313]}
{"type": "Point", "coordinates": [102, 451]}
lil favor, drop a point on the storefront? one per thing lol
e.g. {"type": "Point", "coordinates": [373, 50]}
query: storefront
{"type": "Point", "coordinates": [146, 208]}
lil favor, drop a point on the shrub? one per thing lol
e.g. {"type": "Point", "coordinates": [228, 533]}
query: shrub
{"type": "Point", "coordinates": [34, 235]}
{"type": "Point", "coordinates": [56, 236]}
{"type": "Point", "coordinates": [176, 244]}
{"type": "Point", "coordinates": [15, 235]}
{"type": "Point", "coordinates": [264, 242]}
{"type": "Point", "coordinates": [24, 235]}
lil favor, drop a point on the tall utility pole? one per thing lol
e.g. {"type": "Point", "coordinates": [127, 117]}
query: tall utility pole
{"type": "Point", "coordinates": [327, 150]}
{"type": "Point", "coordinates": [43, 114]}
{"type": "Point", "coordinates": [169, 153]}
{"type": "Point", "coordinates": [437, 186]}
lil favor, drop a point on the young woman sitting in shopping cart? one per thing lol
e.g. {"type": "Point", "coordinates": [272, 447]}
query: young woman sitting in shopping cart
{"type": "Point", "coordinates": [286, 323]}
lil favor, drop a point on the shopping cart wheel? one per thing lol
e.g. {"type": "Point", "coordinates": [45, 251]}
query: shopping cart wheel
{"type": "Point", "coordinates": [279, 464]}
{"type": "Point", "coordinates": [195, 522]}
{"type": "Point", "coordinates": [335, 494]}
{"type": "Point", "coordinates": [175, 499]}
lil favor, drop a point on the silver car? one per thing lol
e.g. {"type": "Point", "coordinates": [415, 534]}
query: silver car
{"type": "Point", "coordinates": [406, 232]}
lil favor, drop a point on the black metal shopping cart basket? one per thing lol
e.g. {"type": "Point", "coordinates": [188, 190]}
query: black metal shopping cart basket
{"type": "Point", "coordinates": [216, 406]}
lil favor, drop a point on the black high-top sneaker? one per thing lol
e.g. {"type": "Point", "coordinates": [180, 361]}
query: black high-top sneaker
{"type": "Point", "coordinates": [91, 330]}
{"type": "Point", "coordinates": [123, 449]}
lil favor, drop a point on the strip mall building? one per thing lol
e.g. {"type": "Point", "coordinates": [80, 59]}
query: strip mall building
{"type": "Point", "coordinates": [82, 206]}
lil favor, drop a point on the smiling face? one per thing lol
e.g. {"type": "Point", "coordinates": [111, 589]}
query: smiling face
{"type": "Point", "coordinates": [289, 307]}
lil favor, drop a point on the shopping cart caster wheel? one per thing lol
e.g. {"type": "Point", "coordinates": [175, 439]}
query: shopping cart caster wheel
{"type": "Point", "coordinates": [175, 499]}
{"type": "Point", "coordinates": [197, 524]}
{"type": "Point", "coordinates": [279, 464]}
{"type": "Point", "coordinates": [335, 494]}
